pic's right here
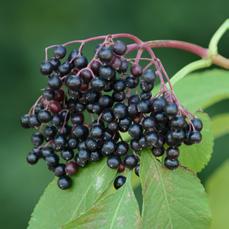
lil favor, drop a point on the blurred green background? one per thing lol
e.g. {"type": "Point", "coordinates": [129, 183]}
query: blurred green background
{"type": "Point", "coordinates": [27, 27]}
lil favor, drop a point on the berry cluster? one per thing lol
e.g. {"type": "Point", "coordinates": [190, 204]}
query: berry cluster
{"type": "Point", "coordinates": [87, 106]}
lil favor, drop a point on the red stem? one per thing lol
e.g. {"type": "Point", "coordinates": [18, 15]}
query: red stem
{"type": "Point", "coordinates": [186, 46]}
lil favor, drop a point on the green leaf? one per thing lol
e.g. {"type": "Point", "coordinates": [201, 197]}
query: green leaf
{"type": "Point", "coordinates": [200, 90]}
{"type": "Point", "coordinates": [171, 199]}
{"type": "Point", "coordinates": [218, 189]}
{"type": "Point", "coordinates": [197, 156]}
{"type": "Point", "coordinates": [118, 210]}
{"type": "Point", "coordinates": [220, 125]}
{"type": "Point", "coordinates": [57, 207]}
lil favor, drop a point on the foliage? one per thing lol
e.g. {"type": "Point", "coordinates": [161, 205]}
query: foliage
{"type": "Point", "coordinates": [171, 199]}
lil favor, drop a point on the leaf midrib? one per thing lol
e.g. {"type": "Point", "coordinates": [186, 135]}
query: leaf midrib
{"type": "Point", "coordinates": [164, 192]}
{"type": "Point", "coordinates": [118, 206]}
{"type": "Point", "coordinates": [82, 199]}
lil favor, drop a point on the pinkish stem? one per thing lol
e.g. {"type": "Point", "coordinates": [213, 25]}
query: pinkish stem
{"type": "Point", "coordinates": [186, 46]}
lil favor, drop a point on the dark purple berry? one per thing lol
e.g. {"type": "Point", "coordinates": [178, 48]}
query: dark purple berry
{"type": "Point", "coordinates": [130, 161]}
{"type": "Point", "coordinates": [59, 52]}
{"type": "Point", "coordinates": [119, 182]}
{"type": "Point", "coordinates": [171, 163]}
{"type": "Point", "coordinates": [32, 158]}
{"type": "Point", "coordinates": [119, 47]}
{"type": "Point", "coordinates": [64, 182]}
{"type": "Point", "coordinates": [113, 162]}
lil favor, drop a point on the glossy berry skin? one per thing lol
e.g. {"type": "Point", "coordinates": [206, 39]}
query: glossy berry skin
{"type": "Point", "coordinates": [116, 63]}
{"type": "Point", "coordinates": [131, 82]}
{"type": "Point", "coordinates": [54, 82]}
{"type": "Point", "coordinates": [195, 137]}
{"type": "Point", "coordinates": [132, 109]}
{"type": "Point", "coordinates": [65, 68]}
{"type": "Point", "coordinates": [54, 106]}
{"type": "Point", "coordinates": [48, 94]}
{"type": "Point", "coordinates": [77, 118]}
{"type": "Point", "coordinates": [134, 144]}
{"type": "Point", "coordinates": [119, 182]}
{"type": "Point", "coordinates": [44, 116]}
{"type": "Point", "coordinates": [197, 123]}
{"type": "Point", "coordinates": [55, 63]}
{"type": "Point", "coordinates": [73, 82]}
{"type": "Point", "coordinates": [25, 121]}
{"type": "Point", "coordinates": [95, 156]}
{"type": "Point", "coordinates": [96, 131]}
{"type": "Point", "coordinates": [142, 142]}
{"type": "Point", "coordinates": [159, 104]}
{"type": "Point", "coordinates": [105, 101]}
{"type": "Point", "coordinates": [136, 70]}
{"type": "Point", "coordinates": [130, 161]}
{"type": "Point", "coordinates": [97, 84]}
{"type": "Point", "coordinates": [113, 162]}
{"type": "Point", "coordinates": [59, 52]}
{"type": "Point", "coordinates": [82, 145]}
{"type": "Point", "coordinates": [71, 168]}
{"type": "Point", "coordinates": [149, 123]}
{"type": "Point", "coordinates": [106, 73]}
{"type": "Point", "coordinates": [122, 148]}
{"type": "Point", "coordinates": [86, 75]}
{"type": "Point", "coordinates": [59, 142]}
{"type": "Point", "coordinates": [91, 144]}
{"type": "Point", "coordinates": [119, 47]}
{"type": "Point", "coordinates": [137, 170]}
{"type": "Point", "coordinates": [64, 182]}
{"type": "Point", "coordinates": [123, 67]}
{"type": "Point", "coordinates": [46, 151]}
{"type": "Point", "coordinates": [121, 168]}
{"type": "Point", "coordinates": [124, 124]}
{"type": "Point", "coordinates": [171, 163]}
{"type": "Point", "coordinates": [119, 85]}
{"type": "Point", "coordinates": [161, 117]}
{"type": "Point", "coordinates": [172, 152]}
{"type": "Point", "coordinates": [177, 122]}
{"type": "Point", "coordinates": [113, 126]}
{"type": "Point", "coordinates": [143, 106]}
{"type": "Point", "coordinates": [80, 62]}
{"type": "Point", "coordinates": [171, 109]}
{"type": "Point", "coordinates": [52, 160]}
{"type": "Point", "coordinates": [135, 131]}
{"type": "Point", "coordinates": [158, 151]}
{"type": "Point", "coordinates": [105, 54]}
{"type": "Point", "coordinates": [83, 155]}
{"type": "Point", "coordinates": [149, 76]}
{"type": "Point", "coordinates": [146, 96]}
{"type": "Point", "coordinates": [67, 154]}
{"type": "Point", "coordinates": [108, 115]}
{"type": "Point", "coordinates": [81, 163]}
{"type": "Point", "coordinates": [59, 171]}
{"type": "Point", "coordinates": [32, 158]}
{"type": "Point", "coordinates": [108, 148]}
{"type": "Point", "coordinates": [37, 139]}
{"type": "Point", "coordinates": [118, 96]}
{"type": "Point", "coordinates": [72, 143]}
{"type": "Point", "coordinates": [46, 68]}
{"type": "Point", "coordinates": [120, 110]}
{"type": "Point", "coordinates": [95, 65]}
{"type": "Point", "coordinates": [146, 87]}
{"type": "Point", "coordinates": [33, 121]}
{"type": "Point", "coordinates": [80, 132]}
{"type": "Point", "coordinates": [178, 135]}
{"type": "Point", "coordinates": [151, 138]}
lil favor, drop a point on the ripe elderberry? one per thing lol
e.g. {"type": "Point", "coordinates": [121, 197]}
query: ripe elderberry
{"type": "Point", "coordinates": [88, 105]}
